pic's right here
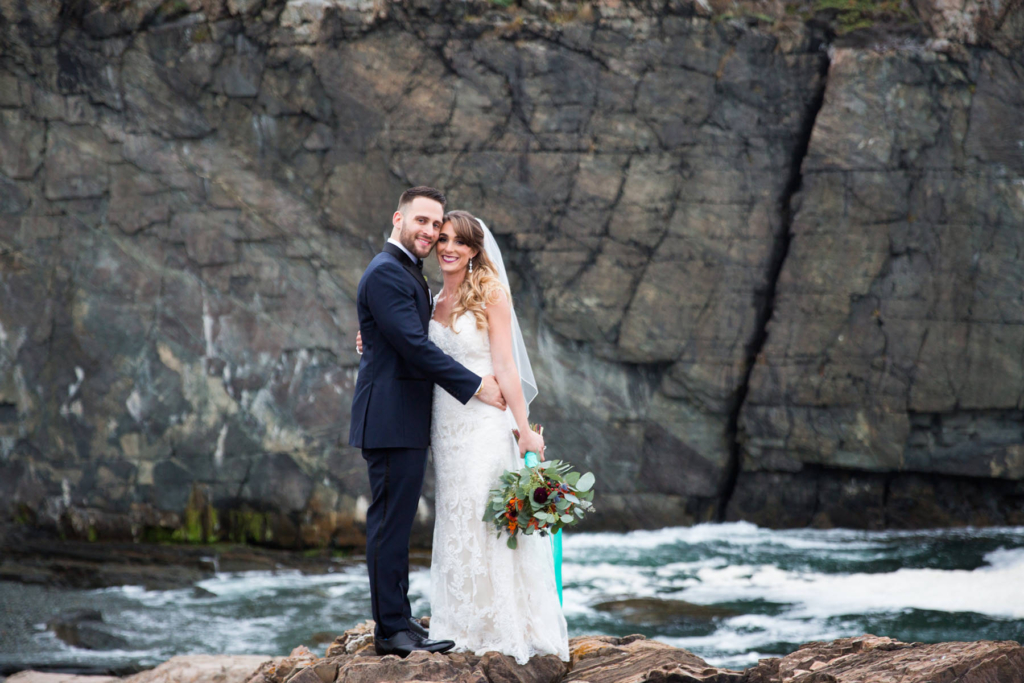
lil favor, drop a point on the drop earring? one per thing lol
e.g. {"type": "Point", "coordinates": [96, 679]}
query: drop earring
{"type": "Point", "coordinates": [471, 265]}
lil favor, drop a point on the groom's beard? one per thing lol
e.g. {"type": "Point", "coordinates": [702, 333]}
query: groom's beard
{"type": "Point", "coordinates": [408, 240]}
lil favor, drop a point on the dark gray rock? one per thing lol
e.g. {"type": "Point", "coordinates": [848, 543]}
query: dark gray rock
{"type": "Point", "coordinates": [79, 628]}
{"type": "Point", "coordinates": [153, 104]}
{"type": "Point", "coordinates": [38, 23]}
{"type": "Point", "coordinates": [12, 200]}
{"type": "Point", "coordinates": [657, 611]}
{"type": "Point", "coordinates": [239, 73]}
{"type": "Point", "coordinates": [892, 344]}
{"type": "Point", "coordinates": [22, 144]}
{"type": "Point", "coordinates": [278, 480]}
{"type": "Point", "coordinates": [77, 162]}
{"type": "Point", "coordinates": [765, 271]}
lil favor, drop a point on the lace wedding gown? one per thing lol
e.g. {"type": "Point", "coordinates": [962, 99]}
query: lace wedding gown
{"type": "Point", "coordinates": [483, 596]}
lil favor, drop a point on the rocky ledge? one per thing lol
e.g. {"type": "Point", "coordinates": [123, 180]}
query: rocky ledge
{"type": "Point", "coordinates": [594, 659]}
{"type": "Point", "coordinates": [34, 558]}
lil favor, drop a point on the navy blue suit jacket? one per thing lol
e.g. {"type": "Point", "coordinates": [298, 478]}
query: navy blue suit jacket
{"type": "Point", "coordinates": [391, 407]}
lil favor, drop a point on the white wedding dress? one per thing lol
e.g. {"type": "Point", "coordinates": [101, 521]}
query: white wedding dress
{"type": "Point", "coordinates": [483, 596]}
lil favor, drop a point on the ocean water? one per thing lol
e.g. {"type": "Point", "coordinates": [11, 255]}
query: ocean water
{"type": "Point", "coordinates": [731, 593]}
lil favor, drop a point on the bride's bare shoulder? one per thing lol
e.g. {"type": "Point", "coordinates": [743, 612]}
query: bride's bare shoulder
{"type": "Point", "coordinates": [498, 302]}
{"type": "Point", "coordinates": [497, 295]}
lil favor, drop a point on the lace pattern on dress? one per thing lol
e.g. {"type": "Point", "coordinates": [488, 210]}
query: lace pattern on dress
{"type": "Point", "coordinates": [483, 596]}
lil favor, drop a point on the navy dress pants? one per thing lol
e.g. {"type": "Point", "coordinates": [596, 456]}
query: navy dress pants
{"type": "Point", "coordinates": [396, 482]}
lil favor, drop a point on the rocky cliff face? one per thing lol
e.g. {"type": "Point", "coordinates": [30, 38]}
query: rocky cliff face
{"type": "Point", "coordinates": [767, 254]}
{"type": "Point", "coordinates": [892, 346]}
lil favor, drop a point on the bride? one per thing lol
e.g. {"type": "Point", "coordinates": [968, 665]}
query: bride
{"type": "Point", "coordinates": [484, 596]}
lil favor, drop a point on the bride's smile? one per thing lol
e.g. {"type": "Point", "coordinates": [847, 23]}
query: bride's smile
{"type": "Point", "coordinates": [452, 253]}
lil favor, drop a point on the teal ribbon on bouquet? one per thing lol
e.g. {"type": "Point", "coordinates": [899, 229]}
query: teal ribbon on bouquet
{"type": "Point", "coordinates": [531, 460]}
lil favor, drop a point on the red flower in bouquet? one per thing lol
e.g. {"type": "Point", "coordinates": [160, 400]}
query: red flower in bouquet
{"type": "Point", "coordinates": [545, 498]}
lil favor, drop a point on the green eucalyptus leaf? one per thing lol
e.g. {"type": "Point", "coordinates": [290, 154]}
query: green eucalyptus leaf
{"type": "Point", "coordinates": [567, 519]}
{"type": "Point", "coordinates": [585, 482]}
{"type": "Point", "coordinates": [512, 542]}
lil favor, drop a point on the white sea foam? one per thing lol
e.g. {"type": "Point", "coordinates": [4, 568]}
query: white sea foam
{"type": "Point", "coordinates": [745, 633]}
{"type": "Point", "coordinates": [259, 582]}
{"type": "Point", "coordinates": [746, 534]}
{"type": "Point", "coordinates": [996, 589]}
{"type": "Point", "coordinates": [814, 585]}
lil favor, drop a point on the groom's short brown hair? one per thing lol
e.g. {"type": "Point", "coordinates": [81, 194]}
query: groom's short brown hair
{"type": "Point", "coordinates": [421, 191]}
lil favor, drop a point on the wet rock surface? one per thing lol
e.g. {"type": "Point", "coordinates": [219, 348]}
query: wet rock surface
{"type": "Point", "coordinates": [660, 611]}
{"type": "Point", "coordinates": [81, 564]}
{"type": "Point", "coordinates": [605, 659]}
{"type": "Point", "coordinates": [884, 660]}
{"type": "Point", "coordinates": [597, 659]}
{"type": "Point", "coordinates": [183, 669]}
{"type": "Point", "coordinates": [83, 629]}
{"type": "Point", "coordinates": [765, 253]}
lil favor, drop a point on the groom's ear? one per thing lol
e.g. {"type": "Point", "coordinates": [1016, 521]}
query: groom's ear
{"type": "Point", "coordinates": [396, 219]}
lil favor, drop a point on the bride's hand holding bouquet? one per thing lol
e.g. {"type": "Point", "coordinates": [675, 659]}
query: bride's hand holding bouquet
{"type": "Point", "coordinates": [544, 498]}
{"type": "Point", "coordinates": [531, 442]}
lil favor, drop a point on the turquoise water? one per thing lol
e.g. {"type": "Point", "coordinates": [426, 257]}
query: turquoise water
{"type": "Point", "coordinates": [731, 593]}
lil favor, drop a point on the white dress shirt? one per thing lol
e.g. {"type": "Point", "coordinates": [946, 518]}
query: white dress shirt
{"type": "Point", "coordinates": [401, 246]}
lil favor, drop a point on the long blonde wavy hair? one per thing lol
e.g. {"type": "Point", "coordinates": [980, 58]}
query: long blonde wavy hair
{"type": "Point", "coordinates": [482, 286]}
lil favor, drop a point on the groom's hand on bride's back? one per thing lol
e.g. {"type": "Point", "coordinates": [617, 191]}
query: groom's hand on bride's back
{"type": "Point", "coordinates": [490, 393]}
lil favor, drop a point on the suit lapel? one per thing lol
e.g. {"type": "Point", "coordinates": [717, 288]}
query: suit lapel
{"type": "Point", "coordinates": [416, 273]}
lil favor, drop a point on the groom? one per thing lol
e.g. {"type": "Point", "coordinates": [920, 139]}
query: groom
{"type": "Point", "coordinates": [391, 409]}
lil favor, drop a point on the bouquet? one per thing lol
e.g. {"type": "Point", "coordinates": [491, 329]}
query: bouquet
{"type": "Point", "coordinates": [541, 499]}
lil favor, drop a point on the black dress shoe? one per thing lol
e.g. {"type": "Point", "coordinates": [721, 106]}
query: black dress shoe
{"type": "Point", "coordinates": [416, 627]}
{"type": "Point", "coordinates": [405, 642]}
